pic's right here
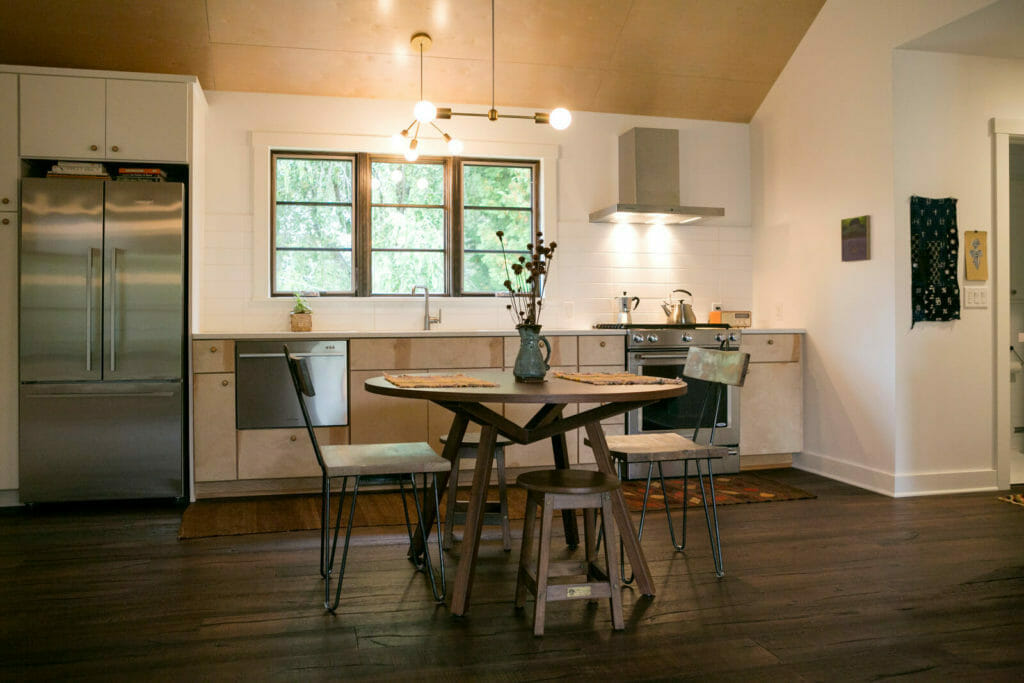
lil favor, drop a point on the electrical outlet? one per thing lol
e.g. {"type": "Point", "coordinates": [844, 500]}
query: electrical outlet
{"type": "Point", "coordinates": [778, 311]}
{"type": "Point", "coordinates": [716, 306]}
{"type": "Point", "coordinates": [975, 297]}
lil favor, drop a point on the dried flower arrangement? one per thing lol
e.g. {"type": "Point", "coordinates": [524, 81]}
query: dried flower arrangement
{"type": "Point", "coordinates": [525, 280]}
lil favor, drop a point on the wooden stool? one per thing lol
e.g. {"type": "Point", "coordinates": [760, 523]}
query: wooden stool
{"type": "Point", "coordinates": [495, 511]}
{"type": "Point", "coordinates": [573, 580]}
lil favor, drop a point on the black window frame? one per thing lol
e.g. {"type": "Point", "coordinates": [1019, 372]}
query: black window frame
{"type": "Point", "coordinates": [362, 205]}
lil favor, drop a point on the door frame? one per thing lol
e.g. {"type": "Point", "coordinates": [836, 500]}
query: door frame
{"type": "Point", "coordinates": [1003, 131]}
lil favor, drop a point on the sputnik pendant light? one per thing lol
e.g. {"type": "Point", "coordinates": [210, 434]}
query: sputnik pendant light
{"type": "Point", "coordinates": [426, 113]}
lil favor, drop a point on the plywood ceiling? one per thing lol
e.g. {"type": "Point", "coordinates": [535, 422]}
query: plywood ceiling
{"type": "Point", "coordinates": [701, 59]}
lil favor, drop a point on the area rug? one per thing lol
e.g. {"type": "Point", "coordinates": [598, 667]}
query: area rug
{"type": "Point", "coordinates": [268, 514]}
{"type": "Point", "coordinates": [1015, 498]}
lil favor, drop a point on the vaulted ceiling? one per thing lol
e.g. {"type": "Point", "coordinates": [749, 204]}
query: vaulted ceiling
{"type": "Point", "coordinates": [701, 59]}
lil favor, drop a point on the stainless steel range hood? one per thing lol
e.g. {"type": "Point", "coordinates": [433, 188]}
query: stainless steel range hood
{"type": "Point", "coordinates": [649, 182]}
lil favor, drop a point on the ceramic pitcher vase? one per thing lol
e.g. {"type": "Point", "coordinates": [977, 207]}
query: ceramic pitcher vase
{"type": "Point", "coordinates": [531, 364]}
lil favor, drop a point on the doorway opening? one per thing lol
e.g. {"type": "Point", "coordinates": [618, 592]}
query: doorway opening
{"type": "Point", "coordinates": [1016, 229]}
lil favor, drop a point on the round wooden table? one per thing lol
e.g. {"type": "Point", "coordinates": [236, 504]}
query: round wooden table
{"type": "Point", "coordinates": [548, 423]}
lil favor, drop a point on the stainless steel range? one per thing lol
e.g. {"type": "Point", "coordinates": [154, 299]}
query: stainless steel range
{"type": "Point", "coordinates": [660, 351]}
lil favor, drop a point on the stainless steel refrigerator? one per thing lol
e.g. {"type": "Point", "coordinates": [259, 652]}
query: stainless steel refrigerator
{"type": "Point", "coordinates": [101, 340]}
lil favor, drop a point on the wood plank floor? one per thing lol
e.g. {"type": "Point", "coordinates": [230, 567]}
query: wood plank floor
{"type": "Point", "coordinates": [849, 586]}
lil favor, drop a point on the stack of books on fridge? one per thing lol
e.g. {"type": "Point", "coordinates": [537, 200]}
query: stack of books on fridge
{"type": "Point", "coordinates": [77, 169]}
{"type": "Point", "coordinates": [146, 175]}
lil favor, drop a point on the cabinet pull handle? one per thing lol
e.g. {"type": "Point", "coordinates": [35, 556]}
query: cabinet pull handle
{"type": "Point", "coordinates": [604, 344]}
{"type": "Point", "coordinates": [93, 147]}
{"type": "Point", "coordinates": [770, 342]}
{"type": "Point", "coordinates": [115, 148]}
{"type": "Point", "coordinates": [5, 200]}
{"type": "Point", "coordinates": [6, 221]}
{"type": "Point", "coordinates": [292, 437]}
{"type": "Point", "coordinates": [213, 349]}
{"type": "Point", "coordinates": [224, 382]}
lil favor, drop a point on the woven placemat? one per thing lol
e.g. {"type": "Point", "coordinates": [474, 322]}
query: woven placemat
{"type": "Point", "coordinates": [615, 378]}
{"type": "Point", "coordinates": [436, 381]}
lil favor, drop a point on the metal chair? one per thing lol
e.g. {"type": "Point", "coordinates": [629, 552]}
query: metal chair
{"type": "Point", "coordinates": [495, 511]}
{"type": "Point", "coordinates": [344, 461]}
{"type": "Point", "coordinates": [719, 369]}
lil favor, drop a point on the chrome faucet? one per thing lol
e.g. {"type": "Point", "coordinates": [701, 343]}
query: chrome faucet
{"type": "Point", "coordinates": [427, 318]}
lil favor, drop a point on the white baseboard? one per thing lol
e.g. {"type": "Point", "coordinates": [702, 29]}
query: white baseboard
{"type": "Point", "coordinates": [9, 498]}
{"type": "Point", "coordinates": [893, 485]}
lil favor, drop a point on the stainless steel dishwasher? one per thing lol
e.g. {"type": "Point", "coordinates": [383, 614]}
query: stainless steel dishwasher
{"type": "Point", "coordinates": [264, 394]}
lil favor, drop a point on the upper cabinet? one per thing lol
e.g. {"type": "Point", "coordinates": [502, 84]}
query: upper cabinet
{"type": "Point", "coordinates": [103, 118]}
{"type": "Point", "coordinates": [8, 142]}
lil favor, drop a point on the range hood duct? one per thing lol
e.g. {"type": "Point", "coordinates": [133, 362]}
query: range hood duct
{"type": "Point", "coordinates": [649, 182]}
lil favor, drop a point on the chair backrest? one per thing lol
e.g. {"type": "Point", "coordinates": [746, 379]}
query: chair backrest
{"type": "Point", "coordinates": [298, 368]}
{"type": "Point", "coordinates": [720, 367]}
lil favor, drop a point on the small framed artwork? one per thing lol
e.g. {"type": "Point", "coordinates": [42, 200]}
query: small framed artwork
{"type": "Point", "coordinates": [976, 254]}
{"type": "Point", "coordinates": [856, 238]}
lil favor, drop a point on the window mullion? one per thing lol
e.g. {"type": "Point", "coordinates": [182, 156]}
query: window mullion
{"type": "Point", "coordinates": [364, 236]}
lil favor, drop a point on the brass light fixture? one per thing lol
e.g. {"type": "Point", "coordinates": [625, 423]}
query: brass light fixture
{"type": "Point", "coordinates": [426, 113]}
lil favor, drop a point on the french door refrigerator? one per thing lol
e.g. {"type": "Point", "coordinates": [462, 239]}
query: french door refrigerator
{"type": "Point", "coordinates": [101, 340]}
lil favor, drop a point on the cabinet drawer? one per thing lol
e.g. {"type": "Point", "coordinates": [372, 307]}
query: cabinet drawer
{"type": "Point", "coordinates": [213, 355]}
{"type": "Point", "coordinates": [406, 353]}
{"type": "Point", "coordinates": [772, 348]}
{"type": "Point", "coordinates": [603, 350]}
{"type": "Point", "coordinates": [563, 350]}
{"type": "Point", "coordinates": [277, 453]}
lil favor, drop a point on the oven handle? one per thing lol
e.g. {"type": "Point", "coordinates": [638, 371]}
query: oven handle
{"type": "Point", "coordinates": [660, 356]}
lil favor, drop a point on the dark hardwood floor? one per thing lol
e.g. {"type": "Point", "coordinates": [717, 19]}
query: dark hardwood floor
{"type": "Point", "coordinates": [849, 586]}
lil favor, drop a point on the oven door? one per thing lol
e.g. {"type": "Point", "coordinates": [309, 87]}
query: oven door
{"type": "Point", "coordinates": [680, 414]}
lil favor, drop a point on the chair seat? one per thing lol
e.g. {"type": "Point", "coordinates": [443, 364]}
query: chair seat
{"type": "Point", "coordinates": [659, 446]}
{"type": "Point", "coordinates": [568, 481]}
{"type": "Point", "coordinates": [382, 458]}
{"type": "Point", "coordinates": [473, 439]}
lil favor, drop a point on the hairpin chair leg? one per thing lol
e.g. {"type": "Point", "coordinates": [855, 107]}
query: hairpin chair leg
{"type": "Point", "coordinates": [668, 512]}
{"type": "Point", "coordinates": [715, 538]}
{"type": "Point", "coordinates": [344, 553]}
{"type": "Point", "coordinates": [437, 584]}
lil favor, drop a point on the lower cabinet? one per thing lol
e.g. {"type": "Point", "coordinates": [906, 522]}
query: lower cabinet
{"type": "Point", "coordinates": [771, 401]}
{"type": "Point", "coordinates": [283, 453]}
{"type": "Point", "coordinates": [213, 445]}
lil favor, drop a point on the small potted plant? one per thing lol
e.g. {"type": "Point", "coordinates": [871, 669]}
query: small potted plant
{"type": "Point", "coordinates": [301, 316]}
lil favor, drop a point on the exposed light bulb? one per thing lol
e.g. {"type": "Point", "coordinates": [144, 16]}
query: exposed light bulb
{"type": "Point", "coordinates": [424, 111]}
{"type": "Point", "coordinates": [412, 154]}
{"type": "Point", "coordinates": [560, 118]}
{"type": "Point", "coordinates": [455, 146]}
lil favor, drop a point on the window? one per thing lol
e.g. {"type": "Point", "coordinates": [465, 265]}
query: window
{"type": "Point", "coordinates": [312, 224]}
{"type": "Point", "coordinates": [366, 225]}
{"type": "Point", "coordinates": [495, 197]}
{"type": "Point", "coordinates": [408, 226]}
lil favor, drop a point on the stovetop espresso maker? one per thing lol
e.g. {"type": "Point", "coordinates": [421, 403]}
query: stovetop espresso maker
{"type": "Point", "coordinates": [625, 305]}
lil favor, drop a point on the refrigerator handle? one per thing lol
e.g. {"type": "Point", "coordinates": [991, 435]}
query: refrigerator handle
{"type": "Point", "coordinates": [88, 309]}
{"type": "Point", "coordinates": [113, 309]}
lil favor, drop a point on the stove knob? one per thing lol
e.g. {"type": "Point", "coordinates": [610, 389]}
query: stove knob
{"type": "Point", "coordinates": [719, 337]}
{"type": "Point", "coordinates": [653, 338]}
{"type": "Point", "coordinates": [687, 337]}
{"type": "Point", "coordinates": [638, 339]}
{"type": "Point", "coordinates": [732, 337]}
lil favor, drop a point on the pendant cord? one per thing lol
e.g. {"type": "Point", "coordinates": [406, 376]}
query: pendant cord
{"type": "Point", "coordinates": [492, 54]}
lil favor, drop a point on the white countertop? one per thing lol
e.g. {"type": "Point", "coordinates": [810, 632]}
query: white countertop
{"type": "Point", "coordinates": [363, 334]}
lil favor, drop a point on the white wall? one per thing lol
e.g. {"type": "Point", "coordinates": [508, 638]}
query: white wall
{"type": "Point", "coordinates": [594, 262]}
{"type": "Point", "coordinates": [822, 150]}
{"type": "Point", "coordinates": [943, 104]}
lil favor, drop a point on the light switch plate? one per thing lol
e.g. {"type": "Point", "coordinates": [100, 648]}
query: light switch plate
{"type": "Point", "coordinates": [975, 297]}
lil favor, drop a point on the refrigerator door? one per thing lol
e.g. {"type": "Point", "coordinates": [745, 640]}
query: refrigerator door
{"type": "Point", "coordinates": [61, 277]}
{"type": "Point", "coordinates": [100, 440]}
{"type": "Point", "coordinates": [143, 295]}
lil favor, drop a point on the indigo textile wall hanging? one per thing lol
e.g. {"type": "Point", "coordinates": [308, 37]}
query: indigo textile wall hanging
{"type": "Point", "coordinates": [934, 248]}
